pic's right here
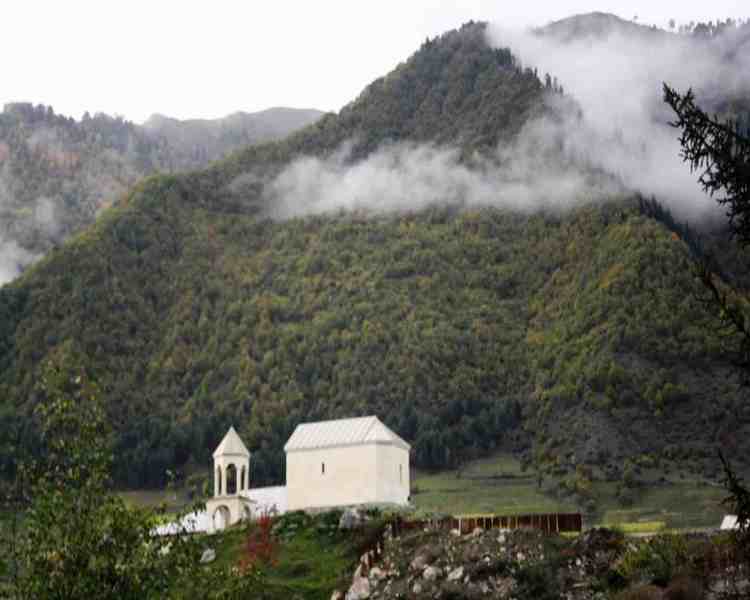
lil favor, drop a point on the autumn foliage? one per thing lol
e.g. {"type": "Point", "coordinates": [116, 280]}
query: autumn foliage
{"type": "Point", "coordinates": [260, 546]}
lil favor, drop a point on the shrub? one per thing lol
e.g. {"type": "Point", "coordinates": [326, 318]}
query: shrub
{"type": "Point", "coordinates": [291, 523]}
{"type": "Point", "coordinates": [260, 547]}
{"type": "Point", "coordinates": [537, 582]}
{"type": "Point", "coordinates": [655, 561]}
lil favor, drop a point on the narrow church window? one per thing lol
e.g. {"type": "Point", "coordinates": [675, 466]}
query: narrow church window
{"type": "Point", "coordinates": [323, 468]}
{"type": "Point", "coordinates": [401, 473]}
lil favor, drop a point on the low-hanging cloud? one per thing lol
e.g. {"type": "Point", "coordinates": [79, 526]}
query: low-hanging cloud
{"type": "Point", "coordinates": [617, 80]}
{"type": "Point", "coordinates": [409, 177]}
{"type": "Point", "coordinates": [610, 134]}
{"type": "Point", "coordinates": [13, 259]}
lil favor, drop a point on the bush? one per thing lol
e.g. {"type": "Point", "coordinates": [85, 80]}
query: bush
{"type": "Point", "coordinates": [655, 561]}
{"type": "Point", "coordinates": [260, 547]}
{"type": "Point", "coordinates": [291, 523]}
{"type": "Point", "coordinates": [537, 582]}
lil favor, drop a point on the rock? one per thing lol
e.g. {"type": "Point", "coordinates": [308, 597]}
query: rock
{"type": "Point", "coordinates": [359, 590]}
{"type": "Point", "coordinates": [520, 557]}
{"type": "Point", "coordinates": [456, 574]}
{"type": "Point", "coordinates": [432, 573]}
{"type": "Point", "coordinates": [351, 518]}
{"type": "Point", "coordinates": [417, 589]}
{"type": "Point", "coordinates": [501, 539]}
{"type": "Point", "coordinates": [376, 574]}
{"type": "Point", "coordinates": [456, 532]}
{"type": "Point", "coordinates": [209, 555]}
{"type": "Point", "coordinates": [477, 532]}
{"type": "Point", "coordinates": [420, 562]}
{"type": "Point", "coordinates": [505, 586]}
{"type": "Point", "coordinates": [337, 595]}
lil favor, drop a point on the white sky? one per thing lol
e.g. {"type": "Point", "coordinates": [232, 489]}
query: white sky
{"type": "Point", "coordinates": [188, 58]}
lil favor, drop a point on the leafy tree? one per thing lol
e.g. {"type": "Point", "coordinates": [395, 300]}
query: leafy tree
{"type": "Point", "coordinates": [79, 539]}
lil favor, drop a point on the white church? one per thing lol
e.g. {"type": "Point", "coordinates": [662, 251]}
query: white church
{"type": "Point", "coordinates": [329, 464]}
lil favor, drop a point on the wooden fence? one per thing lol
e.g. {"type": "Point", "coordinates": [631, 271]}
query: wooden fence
{"type": "Point", "coordinates": [548, 523]}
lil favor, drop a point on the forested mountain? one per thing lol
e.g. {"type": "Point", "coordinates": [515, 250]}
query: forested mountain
{"type": "Point", "coordinates": [572, 333]}
{"type": "Point", "coordinates": [57, 174]}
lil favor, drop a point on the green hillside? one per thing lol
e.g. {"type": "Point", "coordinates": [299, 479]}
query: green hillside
{"type": "Point", "coordinates": [571, 338]}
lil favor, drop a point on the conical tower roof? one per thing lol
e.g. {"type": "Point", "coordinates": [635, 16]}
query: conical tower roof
{"type": "Point", "coordinates": [231, 445]}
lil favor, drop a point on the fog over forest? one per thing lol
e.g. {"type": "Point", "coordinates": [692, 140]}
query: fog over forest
{"type": "Point", "coordinates": [610, 134]}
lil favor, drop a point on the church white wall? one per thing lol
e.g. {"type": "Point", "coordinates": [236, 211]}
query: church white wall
{"type": "Point", "coordinates": [392, 479]}
{"type": "Point", "coordinates": [267, 500]}
{"type": "Point", "coordinates": [349, 477]}
{"type": "Point", "coordinates": [361, 474]}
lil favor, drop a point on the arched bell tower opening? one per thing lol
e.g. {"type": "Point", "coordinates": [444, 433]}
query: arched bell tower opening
{"type": "Point", "coordinates": [231, 479]}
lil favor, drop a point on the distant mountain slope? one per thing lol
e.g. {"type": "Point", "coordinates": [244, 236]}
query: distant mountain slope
{"type": "Point", "coordinates": [465, 329]}
{"type": "Point", "coordinates": [195, 142]}
{"type": "Point", "coordinates": [57, 174]}
{"type": "Point", "coordinates": [598, 25]}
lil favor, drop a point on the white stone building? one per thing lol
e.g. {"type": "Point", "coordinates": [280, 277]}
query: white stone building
{"type": "Point", "coordinates": [346, 462]}
{"type": "Point", "coordinates": [329, 464]}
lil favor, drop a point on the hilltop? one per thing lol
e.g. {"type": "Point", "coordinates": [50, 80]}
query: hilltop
{"type": "Point", "coordinates": [567, 336]}
{"type": "Point", "coordinates": [598, 25]}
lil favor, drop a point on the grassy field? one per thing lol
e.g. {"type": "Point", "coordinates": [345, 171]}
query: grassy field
{"type": "Point", "coordinates": [496, 485]}
{"type": "Point", "coordinates": [173, 499]}
{"type": "Point", "coordinates": [689, 505]}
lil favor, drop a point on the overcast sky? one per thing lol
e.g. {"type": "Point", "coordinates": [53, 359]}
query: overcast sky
{"type": "Point", "coordinates": [187, 58]}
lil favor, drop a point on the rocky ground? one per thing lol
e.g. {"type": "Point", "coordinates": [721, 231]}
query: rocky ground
{"type": "Point", "coordinates": [526, 564]}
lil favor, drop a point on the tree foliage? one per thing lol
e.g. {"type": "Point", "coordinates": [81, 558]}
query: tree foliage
{"type": "Point", "coordinates": [78, 538]}
{"type": "Point", "coordinates": [720, 154]}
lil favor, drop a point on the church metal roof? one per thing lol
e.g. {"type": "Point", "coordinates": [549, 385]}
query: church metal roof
{"type": "Point", "coordinates": [231, 445]}
{"type": "Point", "coordinates": [343, 432]}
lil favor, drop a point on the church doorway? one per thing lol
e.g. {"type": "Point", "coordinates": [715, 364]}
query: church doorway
{"type": "Point", "coordinates": [221, 518]}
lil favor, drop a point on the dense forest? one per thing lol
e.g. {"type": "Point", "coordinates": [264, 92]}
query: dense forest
{"type": "Point", "coordinates": [58, 174]}
{"type": "Point", "coordinates": [574, 337]}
